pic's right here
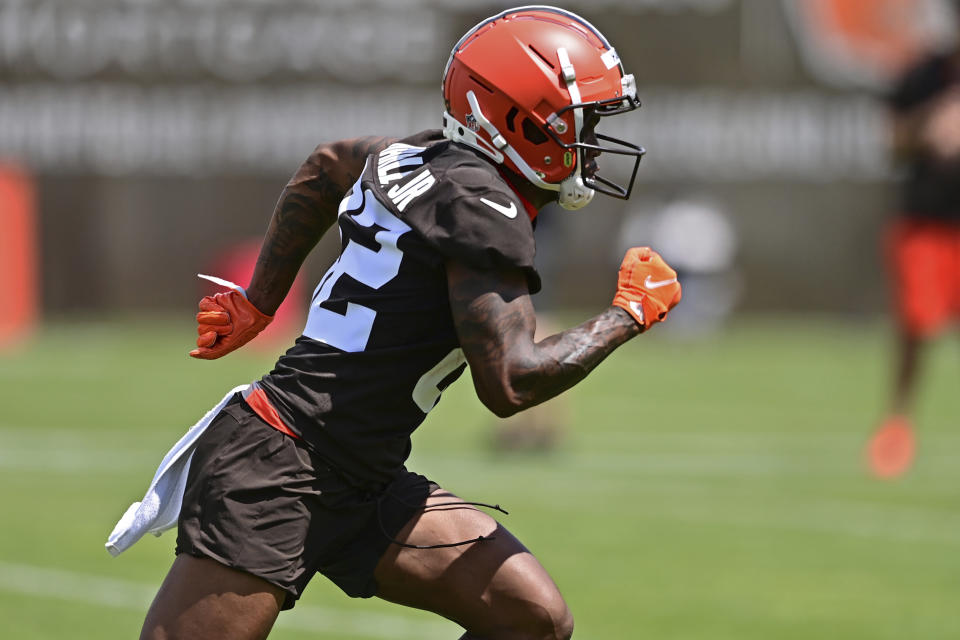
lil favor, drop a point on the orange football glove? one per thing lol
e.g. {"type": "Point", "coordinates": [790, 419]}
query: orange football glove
{"type": "Point", "coordinates": [647, 287]}
{"type": "Point", "coordinates": [226, 321]}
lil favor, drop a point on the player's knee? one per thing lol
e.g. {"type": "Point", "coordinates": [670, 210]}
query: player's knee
{"type": "Point", "coordinates": [551, 621]}
{"type": "Point", "coordinates": [563, 627]}
{"type": "Point", "coordinates": [537, 619]}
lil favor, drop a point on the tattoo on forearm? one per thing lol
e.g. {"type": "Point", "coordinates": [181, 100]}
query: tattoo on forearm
{"type": "Point", "coordinates": [306, 209]}
{"type": "Point", "coordinates": [498, 332]}
{"type": "Point", "coordinates": [564, 359]}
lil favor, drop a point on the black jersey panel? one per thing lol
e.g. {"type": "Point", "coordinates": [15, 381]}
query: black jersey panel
{"type": "Point", "coordinates": [924, 81]}
{"type": "Point", "coordinates": [471, 214]}
{"type": "Point", "coordinates": [355, 409]}
{"type": "Point", "coordinates": [931, 189]}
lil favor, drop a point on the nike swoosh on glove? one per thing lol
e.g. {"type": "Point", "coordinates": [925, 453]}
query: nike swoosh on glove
{"type": "Point", "coordinates": [647, 287]}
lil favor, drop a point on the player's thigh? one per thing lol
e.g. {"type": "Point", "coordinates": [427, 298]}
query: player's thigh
{"type": "Point", "coordinates": [201, 599]}
{"type": "Point", "coordinates": [493, 588]}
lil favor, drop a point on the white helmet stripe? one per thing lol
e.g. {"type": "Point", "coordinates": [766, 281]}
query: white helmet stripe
{"type": "Point", "coordinates": [574, 194]}
{"type": "Point", "coordinates": [570, 77]}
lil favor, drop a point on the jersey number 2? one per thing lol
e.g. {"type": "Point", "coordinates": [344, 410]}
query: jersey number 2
{"type": "Point", "coordinates": [351, 330]}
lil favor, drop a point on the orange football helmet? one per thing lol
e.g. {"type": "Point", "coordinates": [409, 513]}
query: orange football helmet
{"type": "Point", "coordinates": [526, 88]}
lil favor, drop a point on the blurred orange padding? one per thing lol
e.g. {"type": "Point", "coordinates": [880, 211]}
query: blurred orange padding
{"type": "Point", "coordinates": [18, 255]}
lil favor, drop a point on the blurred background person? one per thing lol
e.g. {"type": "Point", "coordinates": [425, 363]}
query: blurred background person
{"type": "Point", "coordinates": [698, 235]}
{"type": "Point", "coordinates": [923, 240]}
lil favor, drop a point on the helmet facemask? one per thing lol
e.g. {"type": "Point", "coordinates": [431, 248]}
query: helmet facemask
{"type": "Point", "coordinates": [590, 144]}
{"type": "Point", "coordinates": [578, 189]}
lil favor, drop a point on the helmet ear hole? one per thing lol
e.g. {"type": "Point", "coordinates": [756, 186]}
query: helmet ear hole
{"type": "Point", "coordinates": [532, 132]}
{"type": "Point", "coordinates": [511, 115]}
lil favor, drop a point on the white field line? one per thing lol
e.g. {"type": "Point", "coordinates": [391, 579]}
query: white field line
{"type": "Point", "coordinates": [78, 460]}
{"type": "Point", "coordinates": [104, 461]}
{"type": "Point", "coordinates": [743, 440]}
{"type": "Point", "coordinates": [699, 455]}
{"type": "Point", "coordinates": [605, 440]}
{"type": "Point", "coordinates": [833, 521]}
{"type": "Point", "coordinates": [612, 440]}
{"type": "Point", "coordinates": [99, 591]}
{"type": "Point", "coordinates": [652, 465]}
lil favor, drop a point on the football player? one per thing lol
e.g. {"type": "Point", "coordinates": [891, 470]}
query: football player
{"type": "Point", "coordinates": [303, 472]}
{"type": "Point", "coordinates": [922, 240]}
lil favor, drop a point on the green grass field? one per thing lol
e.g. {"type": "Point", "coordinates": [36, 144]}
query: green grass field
{"type": "Point", "coordinates": [708, 488]}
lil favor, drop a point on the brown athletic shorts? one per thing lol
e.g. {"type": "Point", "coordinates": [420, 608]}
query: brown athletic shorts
{"type": "Point", "coordinates": [261, 501]}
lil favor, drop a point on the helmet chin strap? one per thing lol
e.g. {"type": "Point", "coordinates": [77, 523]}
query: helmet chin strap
{"type": "Point", "coordinates": [574, 194]}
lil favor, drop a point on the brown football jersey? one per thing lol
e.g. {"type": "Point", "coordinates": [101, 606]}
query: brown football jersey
{"type": "Point", "coordinates": [379, 344]}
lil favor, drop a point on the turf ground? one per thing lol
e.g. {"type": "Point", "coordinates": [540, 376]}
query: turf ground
{"type": "Point", "coordinates": [708, 488]}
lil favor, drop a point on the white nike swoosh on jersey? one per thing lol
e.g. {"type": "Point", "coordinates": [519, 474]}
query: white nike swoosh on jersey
{"type": "Point", "coordinates": [656, 284]}
{"type": "Point", "coordinates": [510, 212]}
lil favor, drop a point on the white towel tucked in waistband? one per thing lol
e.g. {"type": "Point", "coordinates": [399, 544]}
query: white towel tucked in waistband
{"type": "Point", "coordinates": [160, 507]}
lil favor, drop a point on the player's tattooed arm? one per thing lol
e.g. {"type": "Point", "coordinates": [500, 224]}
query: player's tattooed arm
{"type": "Point", "coordinates": [306, 209]}
{"type": "Point", "coordinates": [495, 322]}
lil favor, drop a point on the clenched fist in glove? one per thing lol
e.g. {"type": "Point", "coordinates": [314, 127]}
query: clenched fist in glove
{"type": "Point", "coordinates": [226, 321]}
{"type": "Point", "coordinates": [647, 287]}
